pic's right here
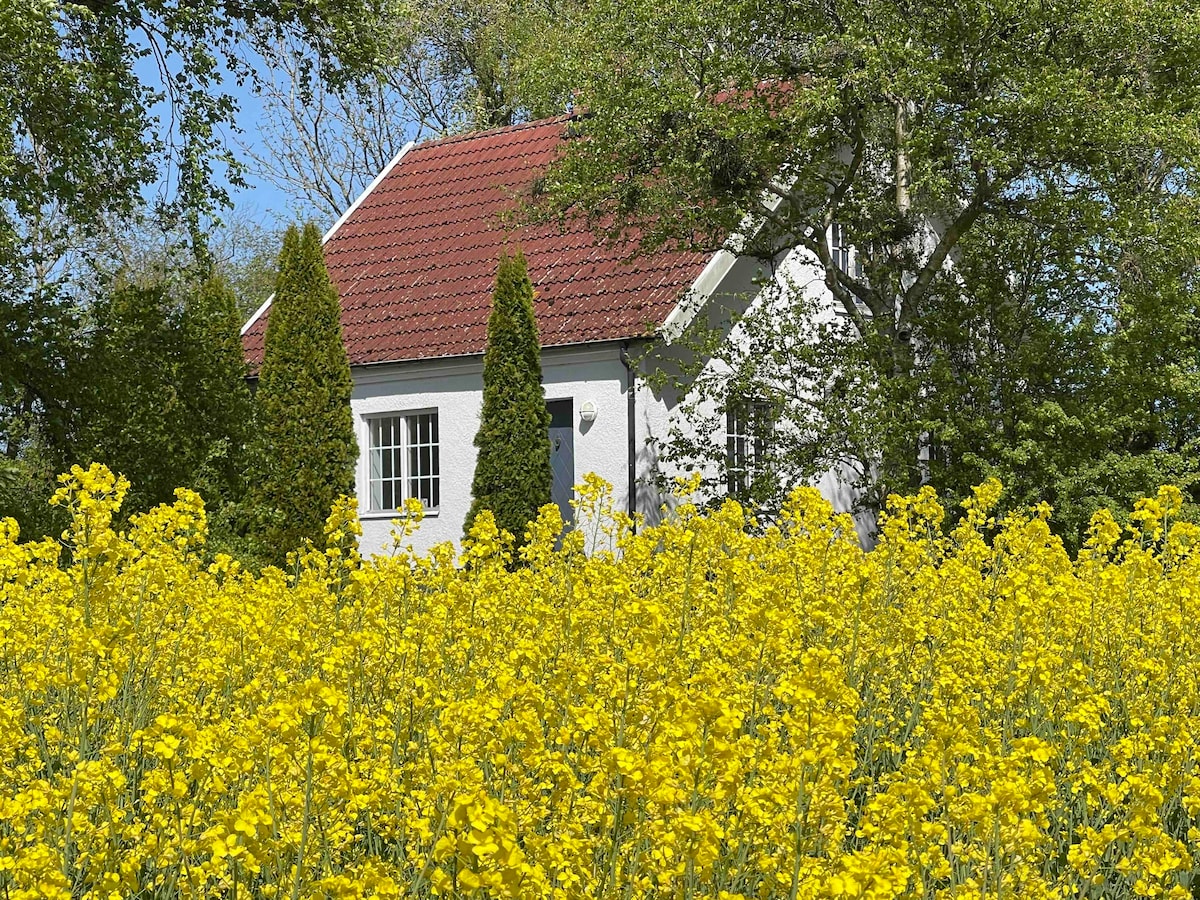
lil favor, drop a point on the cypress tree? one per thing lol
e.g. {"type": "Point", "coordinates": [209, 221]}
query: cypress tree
{"type": "Point", "coordinates": [305, 445]}
{"type": "Point", "coordinates": [512, 469]}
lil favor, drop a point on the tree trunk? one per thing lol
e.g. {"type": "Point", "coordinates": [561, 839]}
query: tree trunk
{"type": "Point", "coordinates": [903, 164]}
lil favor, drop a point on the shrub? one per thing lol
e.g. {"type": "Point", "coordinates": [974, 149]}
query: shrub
{"type": "Point", "coordinates": [709, 713]}
{"type": "Point", "coordinates": [512, 470]}
{"type": "Point", "coordinates": [162, 393]}
{"type": "Point", "coordinates": [305, 447]}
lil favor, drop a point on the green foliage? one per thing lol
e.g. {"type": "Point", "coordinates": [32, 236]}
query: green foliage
{"type": "Point", "coordinates": [25, 488]}
{"type": "Point", "coordinates": [305, 449]}
{"type": "Point", "coordinates": [80, 134]}
{"type": "Point", "coordinates": [461, 66]}
{"type": "Point", "coordinates": [10, 474]}
{"type": "Point", "coordinates": [162, 396]}
{"type": "Point", "coordinates": [512, 469]}
{"type": "Point", "coordinates": [138, 327]}
{"type": "Point", "coordinates": [1035, 386]}
{"type": "Point", "coordinates": [245, 253]}
{"type": "Point", "coordinates": [40, 349]}
{"type": "Point", "coordinates": [447, 66]}
{"type": "Point", "coordinates": [1018, 182]}
{"type": "Point", "coordinates": [220, 398]}
{"type": "Point", "coordinates": [154, 387]}
{"type": "Point", "coordinates": [110, 108]}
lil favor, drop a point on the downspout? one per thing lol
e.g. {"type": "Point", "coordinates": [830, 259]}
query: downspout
{"type": "Point", "coordinates": [630, 425]}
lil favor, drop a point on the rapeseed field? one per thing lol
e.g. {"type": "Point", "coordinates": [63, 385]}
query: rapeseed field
{"type": "Point", "coordinates": [700, 709]}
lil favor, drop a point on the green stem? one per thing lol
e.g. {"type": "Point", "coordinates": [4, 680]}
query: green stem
{"type": "Point", "coordinates": [308, 784]}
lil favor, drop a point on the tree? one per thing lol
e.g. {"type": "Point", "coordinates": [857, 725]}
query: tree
{"type": "Point", "coordinates": [240, 250]}
{"type": "Point", "coordinates": [444, 67]}
{"type": "Point", "coordinates": [138, 327]}
{"type": "Point", "coordinates": [81, 113]}
{"type": "Point", "coordinates": [305, 447]}
{"type": "Point", "coordinates": [322, 147]}
{"type": "Point", "coordinates": [109, 108]}
{"type": "Point", "coordinates": [219, 399]}
{"type": "Point", "coordinates": [1016, 181]}
{"type": "Point", "coordinates": [155, 389]}
{"type": "Point", "coordinates": [512, 469]}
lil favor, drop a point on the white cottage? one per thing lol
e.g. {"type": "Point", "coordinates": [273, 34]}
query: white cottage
{"type": "Point", "coordinates": [413, 260]}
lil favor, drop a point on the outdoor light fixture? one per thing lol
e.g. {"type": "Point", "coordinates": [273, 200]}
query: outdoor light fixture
{"type": "Point", "coordinates": [587, 411]}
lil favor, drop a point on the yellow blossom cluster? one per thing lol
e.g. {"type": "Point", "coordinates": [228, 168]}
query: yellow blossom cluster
{"type": "Point", "coordinates": [704, 708]}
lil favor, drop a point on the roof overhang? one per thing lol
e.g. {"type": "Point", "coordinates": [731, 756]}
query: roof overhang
{"type": "Point", "coordinates": [714, 274]}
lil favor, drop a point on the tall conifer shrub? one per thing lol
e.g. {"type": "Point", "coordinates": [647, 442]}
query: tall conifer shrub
{"type": "Point", "coordinates": [512, 470]}
{"type": "Point", "coordinates": [306, 448]}
{"type": "Point", "coordinates": [221, 401]}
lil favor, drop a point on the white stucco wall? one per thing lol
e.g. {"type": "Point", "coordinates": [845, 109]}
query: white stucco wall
{"type": "Point", "coordinates": [660, 413]}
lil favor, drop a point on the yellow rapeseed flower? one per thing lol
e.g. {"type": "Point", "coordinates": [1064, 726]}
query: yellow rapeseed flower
{"type": "Point", "coordinates": [700, 708]}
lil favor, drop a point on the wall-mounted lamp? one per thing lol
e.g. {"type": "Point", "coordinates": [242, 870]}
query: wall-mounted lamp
{"type": "Point", "coordinates": [587, 411]}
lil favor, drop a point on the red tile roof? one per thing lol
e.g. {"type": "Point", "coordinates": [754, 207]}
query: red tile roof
{"type": "Point", "coordinates": [415, 261]}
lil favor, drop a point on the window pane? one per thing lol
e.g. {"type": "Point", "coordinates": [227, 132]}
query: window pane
{"type": "Point", "coordinates": [383, 462]}
{"type": "Point", "coordinates": [746, 424]}
{"type": "Point", "coordinates": [405, 457]}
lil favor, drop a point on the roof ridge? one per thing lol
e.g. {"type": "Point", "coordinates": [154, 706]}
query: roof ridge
{"type": "Point", "coordinates": [499, 129]}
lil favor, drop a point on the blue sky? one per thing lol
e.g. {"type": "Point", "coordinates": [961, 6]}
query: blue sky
{"type": "Point", "coordinates": [261, 200]}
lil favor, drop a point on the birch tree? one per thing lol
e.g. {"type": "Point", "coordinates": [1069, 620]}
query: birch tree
{"type": "Point", "coordinates": [1016, 181]}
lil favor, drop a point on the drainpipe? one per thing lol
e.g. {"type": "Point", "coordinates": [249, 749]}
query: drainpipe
{"type": "Point", "coordinates": [630, 425]}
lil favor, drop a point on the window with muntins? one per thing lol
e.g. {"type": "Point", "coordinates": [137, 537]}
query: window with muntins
{"type": "Point", "coordinates": [840, 249]}
{"type": "Point", "coordinates": [845, 257]}
{"type": "Point", "coordinates": [404, 461]}
{"type": "Point", "coordinates": [747, 423]}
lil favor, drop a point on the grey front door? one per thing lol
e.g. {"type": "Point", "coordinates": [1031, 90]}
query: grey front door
{"type": "Point", "coordinates": [562, 456]}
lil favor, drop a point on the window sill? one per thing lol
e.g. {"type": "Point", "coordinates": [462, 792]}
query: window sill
{"type": "Point", "coordinates": [375, 515]}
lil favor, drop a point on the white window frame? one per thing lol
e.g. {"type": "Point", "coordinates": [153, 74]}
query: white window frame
{"type": "Point", "coordinates": [845, 258]}
{"type": "Point", "coordinates": [746, 443]}
{"type": "Point", "coordinates": [841, 251]}
{"type": "Point", "coordinates": [402, 481]}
